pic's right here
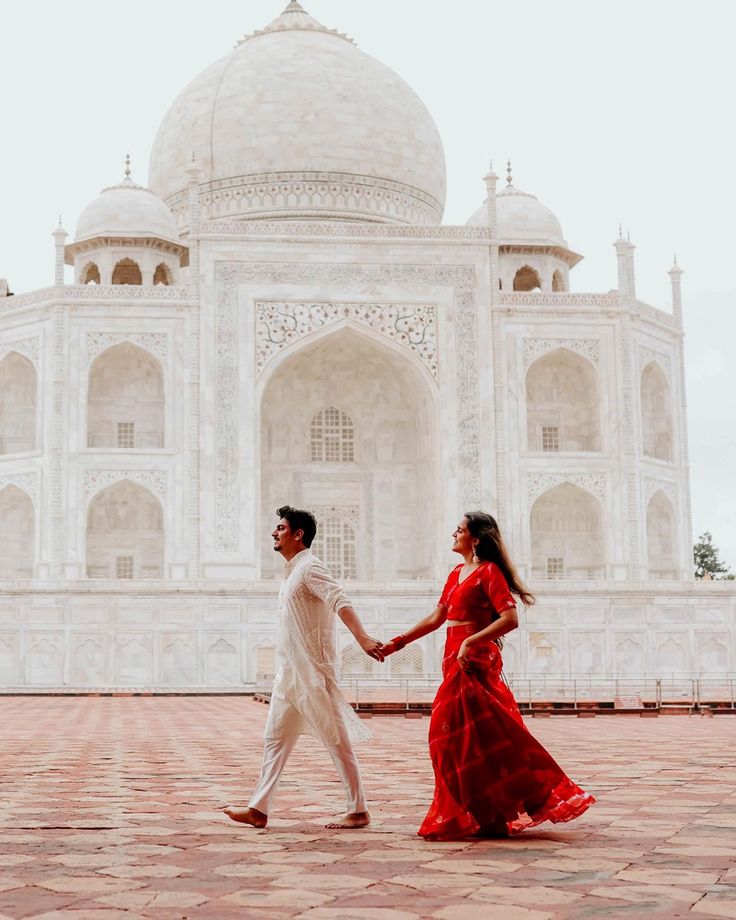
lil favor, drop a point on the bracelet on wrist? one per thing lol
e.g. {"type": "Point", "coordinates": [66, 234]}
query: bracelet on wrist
{"type": "Point", "coordinates": [399, 642]}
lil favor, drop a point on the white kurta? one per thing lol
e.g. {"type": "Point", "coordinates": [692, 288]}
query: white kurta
{"type": "Point", "coordinates": [306, 697]}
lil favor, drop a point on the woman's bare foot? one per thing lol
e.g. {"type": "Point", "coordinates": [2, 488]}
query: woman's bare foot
{"type": "Point", "coordinates": [246, 816]}
{"type": "Point", "coordinates": [350, 820]}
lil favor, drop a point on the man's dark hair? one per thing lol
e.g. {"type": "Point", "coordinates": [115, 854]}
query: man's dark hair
{"type": "Point", "coordinates": [299, 520]}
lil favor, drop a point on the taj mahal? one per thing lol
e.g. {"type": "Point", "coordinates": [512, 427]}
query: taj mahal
{"type": "Point", "coordinates": [289, 240]}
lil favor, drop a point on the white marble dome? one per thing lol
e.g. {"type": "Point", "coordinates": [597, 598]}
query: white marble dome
{"type": "Point", "coordinates": [521, 219]}
{"type": "Point", "coordinates": [297, 122]}
{"type": "Point", "coordinates": [127, 210]}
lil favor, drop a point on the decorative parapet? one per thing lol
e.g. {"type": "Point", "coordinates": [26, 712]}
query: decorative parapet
{"type": "Point", "coordinates": [559, 299]}
{"type": "Point", "coordinates": [337, 229]}
{"type": "Point", "coordinates": [69, 293]}
{"type": "Point", "coordinates": [413, 326]}
{"type": "Point", "coordinates": [661, 317]}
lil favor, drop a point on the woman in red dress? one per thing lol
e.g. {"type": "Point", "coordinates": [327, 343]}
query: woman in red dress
{"type": "Point", "coordinates": [492, 777]}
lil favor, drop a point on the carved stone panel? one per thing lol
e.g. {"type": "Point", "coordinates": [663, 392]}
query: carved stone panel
{"type": "Point", "coordinates": [413, 326]}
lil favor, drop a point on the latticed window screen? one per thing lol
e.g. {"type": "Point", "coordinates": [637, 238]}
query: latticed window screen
{"type": "Point", "coordinates": [126, 434]}
{"type": "Point", "coordinates": [124, 567]}
{"type": "Point", "coordinates": [409, 662]}
{"type": "Point", "coordinates": [555, 567]}
{"type": "Point", "coordinates": [332, 437]}
{"type": "Point", "coordinates": [354, 662]}
{"type": "Point", "coordinates": [266, 660]}
{"type": "Point", "coordinates": [335, 546]}
{"type": "Point", "coordinates": [550, 437]}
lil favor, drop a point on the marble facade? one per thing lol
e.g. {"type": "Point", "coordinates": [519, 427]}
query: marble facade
{"type": "Point", "coordinates": [148, 434]}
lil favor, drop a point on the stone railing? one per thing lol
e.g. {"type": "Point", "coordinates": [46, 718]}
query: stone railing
{"type": "Point", "coordinates": [98, 292]}
{"type": "Point", "coordinates": [608, 301]}
{"type": "Point", "coordinates": [341, 229]}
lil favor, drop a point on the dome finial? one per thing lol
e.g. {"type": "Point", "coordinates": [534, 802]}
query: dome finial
{"type": "Point", "coordinates": [508, 173]}
{"type": "Point", "coordinates": [127, 166]}
{"type": "Point", "coordinates": [294, 7]}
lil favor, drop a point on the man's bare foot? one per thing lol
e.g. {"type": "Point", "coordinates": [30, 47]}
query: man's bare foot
{"type": "Point", "coordinates": [246, 816]}
{"type": "Point", "coordinates": [350, 820]}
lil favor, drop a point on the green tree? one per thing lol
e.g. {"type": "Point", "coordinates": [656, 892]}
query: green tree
{"type": "Point", "coordinates": [705, 557]}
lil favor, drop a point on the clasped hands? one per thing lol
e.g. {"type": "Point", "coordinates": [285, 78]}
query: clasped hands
{"type": "Point", "coordinates": [380, 651]}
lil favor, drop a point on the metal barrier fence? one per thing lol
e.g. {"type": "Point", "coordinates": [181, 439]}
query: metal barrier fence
{"type": "Point", "coordinates": [579, 692]}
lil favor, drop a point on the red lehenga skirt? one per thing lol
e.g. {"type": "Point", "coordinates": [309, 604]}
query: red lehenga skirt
{"type": "Point", "coordinates": [491, 775]}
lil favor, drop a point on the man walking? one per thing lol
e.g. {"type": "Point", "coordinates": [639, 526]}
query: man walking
{"type": "Point", "coordinates": [306, 697]}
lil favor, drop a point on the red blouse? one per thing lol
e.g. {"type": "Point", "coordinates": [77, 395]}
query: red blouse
{"type": "Point", "coordinates": [480, 597]}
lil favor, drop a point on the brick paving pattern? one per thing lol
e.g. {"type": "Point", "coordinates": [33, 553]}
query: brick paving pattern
{"type": "Point", "coordinates": [109, 810]}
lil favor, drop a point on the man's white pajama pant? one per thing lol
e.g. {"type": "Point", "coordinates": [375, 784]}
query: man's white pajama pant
{"type": "Point", "coordinates": [276, 752]}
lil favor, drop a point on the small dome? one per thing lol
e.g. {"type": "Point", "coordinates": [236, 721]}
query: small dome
{"type": "Point", "coordinates": [295, 122]}
{"type": "Point", "coordinates": [127, 210]}
{"type": "Point", "coordinates": [521, 219]}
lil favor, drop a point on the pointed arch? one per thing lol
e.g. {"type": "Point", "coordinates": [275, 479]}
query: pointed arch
{"type": "Point", "coordinates": [656, 413]}
{"type": "Point", "coordinates": [125, 399]}
{"type": "Point", "coordinates": [125, 533]}
{"type": "Point", "coordinates": [567, 534]}
{"type": "Point", "coordinates": [17, 533]}
{"type": "Point", "coordinates": [127, 271]}
{"type": "Point", "coordinates": [563, 403]}
{"type": "Point", "coordinates": [90, 274]}
{"type": "Point", "coordinates": [18, 402]}
{"type": "Point", "coordinates": [162, 274]}
{"type": "Point", "coordinates": [390, 402]}
{"type": "Point", "coordinates": [527, 279]}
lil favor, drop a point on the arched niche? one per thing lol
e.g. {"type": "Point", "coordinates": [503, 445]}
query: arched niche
{"type": "Point", "coordinates": [17, 527]}
{"type": "Point", "coordinates": [125, 400]}
{"type": "Point", "coordinates": [558, 281]}
{"type": "Point", "coordinates": [125, 533]}
{"type": "Point", "coordinates": [389, 406]}
{"type": "Point", "coordinates": [563, 403]}
{"type": "Point", "coordinates": [662, 540]}
{"type": "Point", "coordinates": [162, 274]}
{"type": "Point", "coordinates": [567, 534]}
{"type": "Point", "coordinates": [656, 413]}
{"type": "Point", "coordinates": [127, 271]}
{"type": "Point", "coordinates": [18, 394]}
{"type": "Point", "coordinates": [90, 274]}
{"type": "Point", "coordinates": [527, 279]}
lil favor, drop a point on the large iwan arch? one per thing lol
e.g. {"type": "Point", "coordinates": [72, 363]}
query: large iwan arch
{"type": "Point", "coordinates": [567, 534]}
{"type": "Point", "coordinates": [18, 394]}
{"type": "Point", "coordinates": [563, 403]}
{"type": "Point", "coordinates": [380, 482]}
{"type": "Point", "coordinates": [125, 400]}
{"type": "Point", "coordinates": [125, 533]}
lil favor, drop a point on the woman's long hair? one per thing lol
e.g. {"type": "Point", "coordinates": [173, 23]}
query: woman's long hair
{"type": "Point", "coordinates": [491, 548]}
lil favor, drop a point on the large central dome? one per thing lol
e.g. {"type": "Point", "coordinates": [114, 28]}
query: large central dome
{"type": "Point", "coordinates": [297, 122]}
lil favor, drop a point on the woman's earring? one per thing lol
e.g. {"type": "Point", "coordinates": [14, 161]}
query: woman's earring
{"type": "Point", "coordinates": [475, 554]}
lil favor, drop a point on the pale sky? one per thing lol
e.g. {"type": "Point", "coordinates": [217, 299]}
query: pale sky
{"type": "Point", "coordinates": [610, 112]}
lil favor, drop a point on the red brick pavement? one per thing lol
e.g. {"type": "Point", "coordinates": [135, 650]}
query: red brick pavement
{"type": "Point", "coordinates": [109, 808]}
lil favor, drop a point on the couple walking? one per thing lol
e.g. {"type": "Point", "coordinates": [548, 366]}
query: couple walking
{"type": "Point", "coordinates": [491, 776]}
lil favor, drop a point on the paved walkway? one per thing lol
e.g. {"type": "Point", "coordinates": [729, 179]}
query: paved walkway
{"type": "Point", "coordinates": [109, 808]}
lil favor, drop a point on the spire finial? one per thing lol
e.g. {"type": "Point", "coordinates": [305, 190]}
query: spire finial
{"type": "Point", "coordinates": [60, 225]}
{"type": "Point", "coordinates": [620, 231]}
{"type": "Point", "coordinates": [294, 7]}
{"type": "Point", "coordinates": [127, 166]}
{"type": "Point", "coordinates": [675, 259]}
{"type": "Point", "coordinates": [508, 173]}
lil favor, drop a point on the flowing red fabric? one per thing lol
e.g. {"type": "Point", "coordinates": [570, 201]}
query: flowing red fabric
{"type": "Point", "coordinates": [490, 773]}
